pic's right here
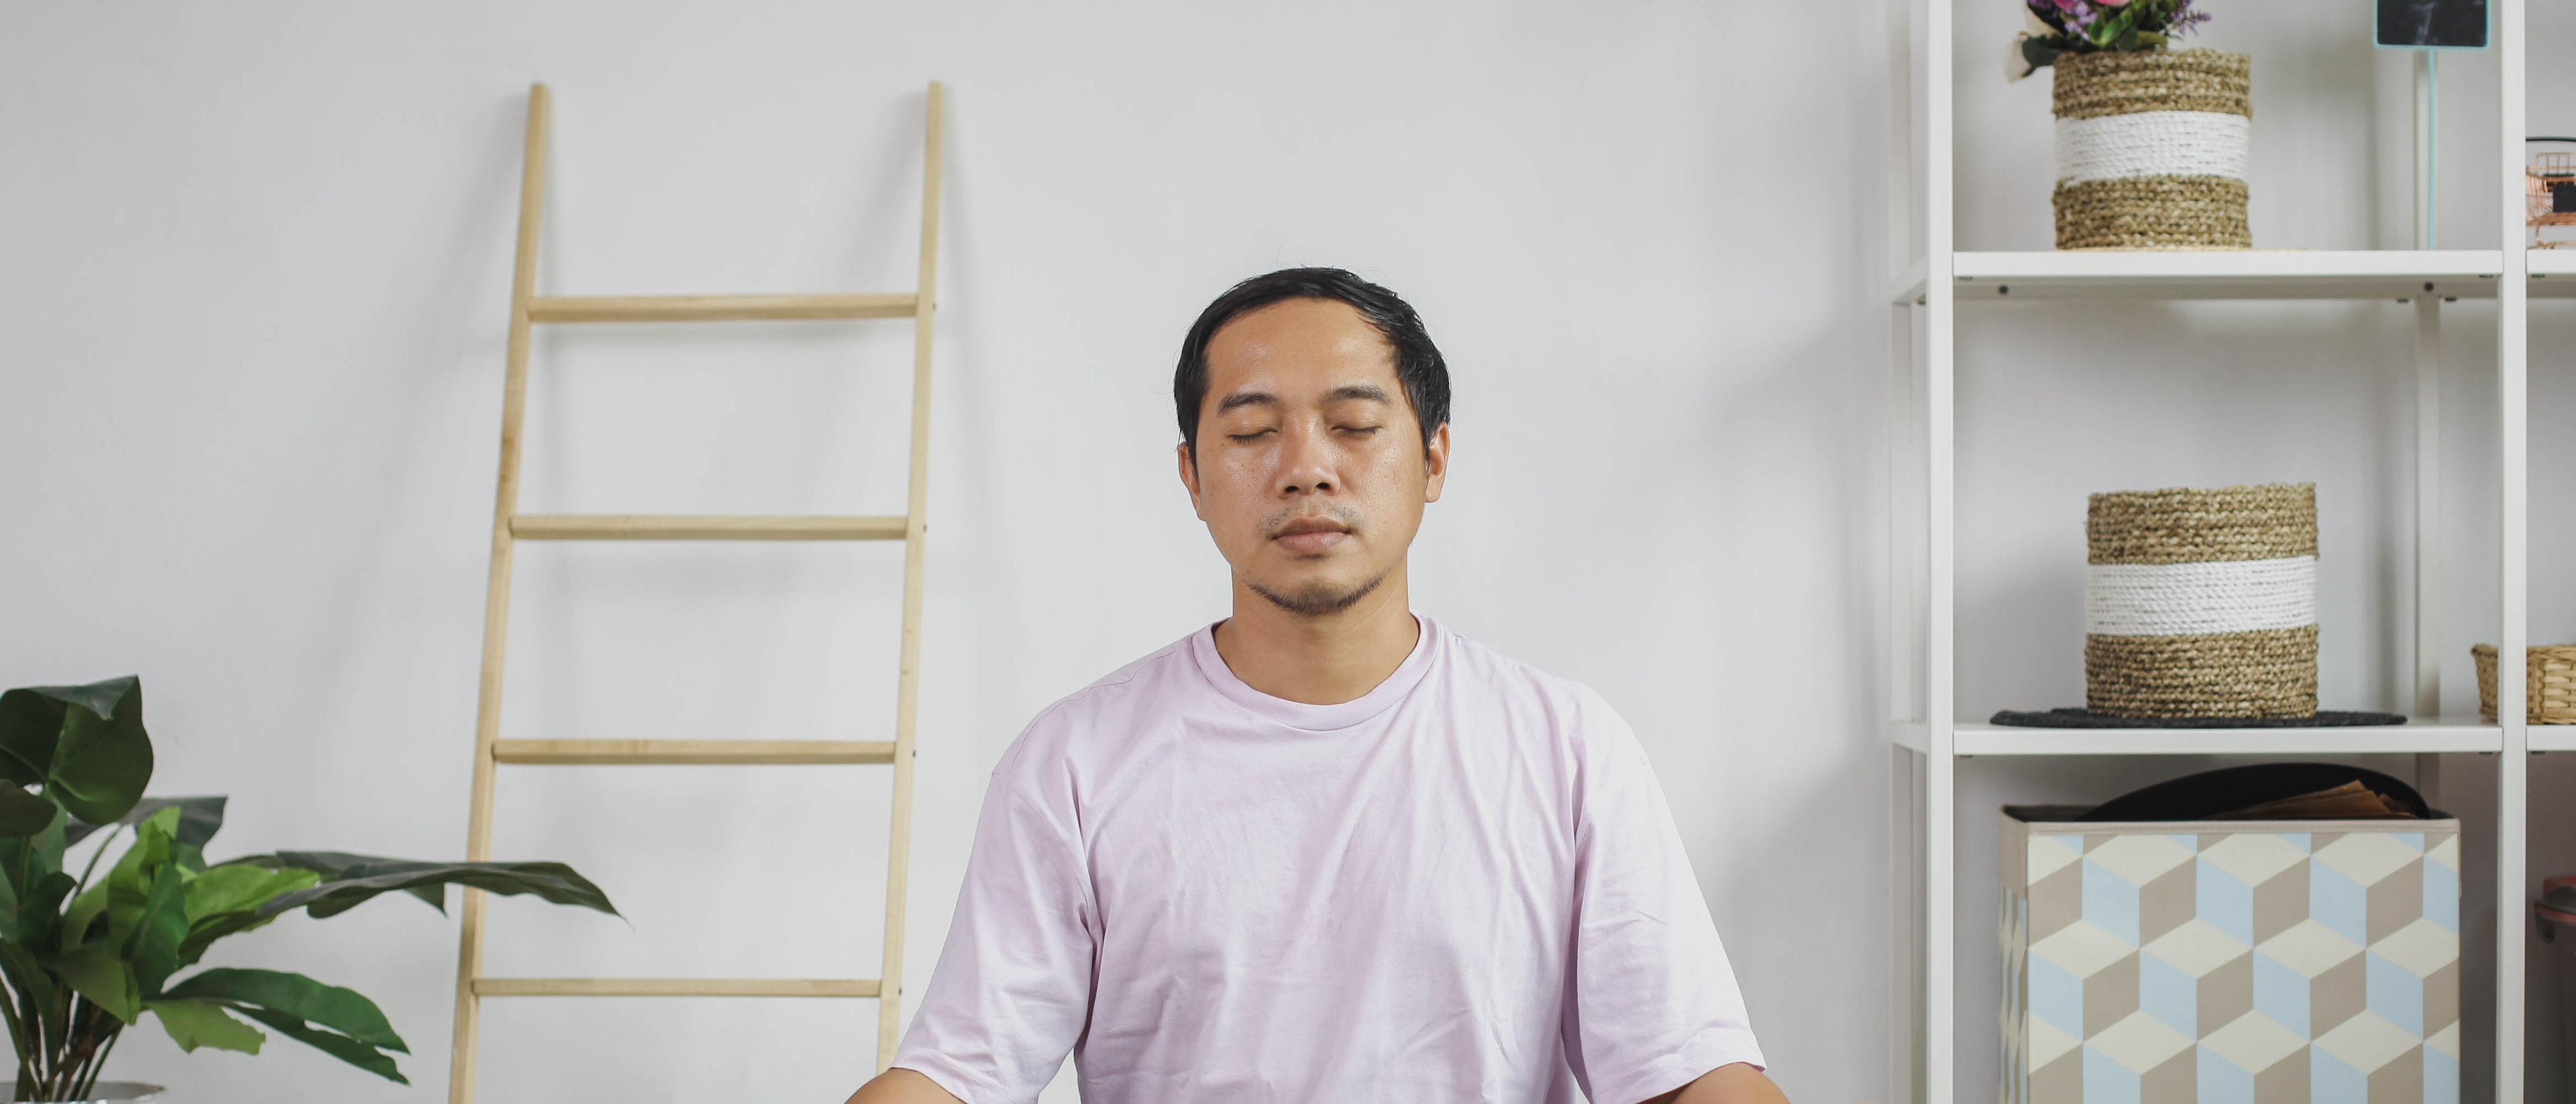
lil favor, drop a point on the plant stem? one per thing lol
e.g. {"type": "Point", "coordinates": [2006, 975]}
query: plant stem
{"type": "Point", "coordinates": [41, 1052]}
{"type": "Point", "coordinates": [73, 1048]}
{"type": "Point", "coordinates": [87, 1078]}
{"type": "Point", "coordinates": [94, 856]}
{"type": "Point", "coordinates": [17, 1024]}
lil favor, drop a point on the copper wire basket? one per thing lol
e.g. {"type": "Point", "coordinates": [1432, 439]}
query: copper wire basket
{"type": "Point", "coordinates": [2549, 194]}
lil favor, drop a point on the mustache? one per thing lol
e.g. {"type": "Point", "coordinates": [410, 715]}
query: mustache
{"type": "Point", "coordinates": [1343, 516]}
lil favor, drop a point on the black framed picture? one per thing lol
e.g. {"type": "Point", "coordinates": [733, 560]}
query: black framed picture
{"type": "Point", "coordinates": [2433, 24]}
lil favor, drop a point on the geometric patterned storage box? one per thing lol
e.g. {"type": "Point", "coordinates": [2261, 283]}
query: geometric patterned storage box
{"type": "Point", "coordinates": [2230, 962]}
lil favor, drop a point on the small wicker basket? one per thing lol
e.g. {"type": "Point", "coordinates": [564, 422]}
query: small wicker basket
{"type": "Point", "coordinates": [2152, 149]}
{"type": "Point", "coordinates": [2202, 603]}
{"type": "Point", "coordinates": [2551, 693]}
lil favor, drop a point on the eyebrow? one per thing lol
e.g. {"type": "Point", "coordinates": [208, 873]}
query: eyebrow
{"type": "Point", "coordinates": [1346, 392]}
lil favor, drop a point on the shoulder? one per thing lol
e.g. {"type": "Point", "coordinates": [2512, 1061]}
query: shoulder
{"type": "Point", "coordinates": [1114, 709]}
{"type": "Point", "coordinates": [1570, 708]}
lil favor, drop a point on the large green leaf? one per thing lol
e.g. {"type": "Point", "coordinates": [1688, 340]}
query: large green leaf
{"type": "Point", "coordinates": [25, 860]}
{"type": "Point", "coordinates": [341, 1010]}
{"type": "Point", "coordinates": [81, 920]}
{"type": "Point", "coordinates": [199, 819]}
{"type": "Point", "coordinates": [34, 986]}
{"type": "Point", "coordinates": [196, 1023]}
{"type": "Point", "coordinates": [22, 813]}
{"type": "Point", "coordinates": [129, 882]}
{"type": "Point", "coordinates": [105, 979]}
{"type": "Point", "coordinates": [153, 949]}
{"type": "Point", "coordinates": [40, 912]}
{"type": "Point", "coordinates": [341, 1047]}
{"type": "Point", "coordinates": [360, 878]}
{"type": "Point", "coordinates": [102, 763]}
{"type": "Point", "coordinates": [333, 865]}
{"type": "Point", "coordinates": [225, 901]}
{"type": "Point", "coordinates": [84, 744]}
{"type": "Point", "coordinates": [31, 723]}
{"type": "Point", "coordinates": [8, 908]}
{"type": "Point", "coordinates": [233, 889]}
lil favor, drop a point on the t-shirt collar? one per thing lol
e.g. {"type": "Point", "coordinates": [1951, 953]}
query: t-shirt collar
{"type": "Point", "coordinates": [1315, 718]}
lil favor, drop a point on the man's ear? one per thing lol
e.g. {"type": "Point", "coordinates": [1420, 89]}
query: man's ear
{"type": "Point", "coordinates": [1190, 477]}
{"type": "Point", "coordinates": [1435, 462]}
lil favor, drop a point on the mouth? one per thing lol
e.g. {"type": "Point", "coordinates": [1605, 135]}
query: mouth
{"type": "Point", "coordinates": [1310, 535]}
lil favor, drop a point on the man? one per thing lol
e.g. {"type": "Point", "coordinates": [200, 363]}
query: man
{"type": "Point", "coordinates": [1325, 850]}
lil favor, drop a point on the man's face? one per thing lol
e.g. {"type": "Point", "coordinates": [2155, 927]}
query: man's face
{"type": "Point", "coordinates": [1311, 472]}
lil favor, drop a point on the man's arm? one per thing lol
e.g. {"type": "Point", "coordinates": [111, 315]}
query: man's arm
{"type": "Point", "coordinates": [902, 1086]}
{"type": "Point", "coordinates": [1733, 1084]}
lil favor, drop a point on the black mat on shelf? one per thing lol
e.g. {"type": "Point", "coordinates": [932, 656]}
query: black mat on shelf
{"type": "Point", "coordinates": [2085, 718]}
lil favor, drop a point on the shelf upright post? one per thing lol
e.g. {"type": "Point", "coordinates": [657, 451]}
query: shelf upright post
{"type": "Point", "coordinates": [2513, 289]}
{"type": "Point", "coordinates": [2428, 439]}
{"type": "Point", "coordinates": [2428, 504]}
{"type": "Point", "coordinates": [1905, 821]}
{"type": "Point", "coordinates": [1902, 472]}
{"type": "Point", "coordinates": [2424, 150]}
{"type": "Point", "coordinates": [2428, 525]}
{"type": "Point", "coordinates": [1940, 713]}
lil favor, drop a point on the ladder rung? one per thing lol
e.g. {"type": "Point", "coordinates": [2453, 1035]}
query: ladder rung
{"type": "Point", "coordinates": [715, 308]}
{"type": "Point", "coordinates": [705, 527]}
{"type": "Point", "coordinates": [693, 752]}
{"type": "Point", "coordinates": [675, 987]}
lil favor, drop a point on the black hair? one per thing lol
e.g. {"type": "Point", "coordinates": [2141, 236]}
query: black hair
{"type": "Point", "coordinates": [1417, 361]}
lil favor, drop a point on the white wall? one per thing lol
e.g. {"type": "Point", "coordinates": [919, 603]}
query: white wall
{"type": "Point", "coordinates": [254, 269]}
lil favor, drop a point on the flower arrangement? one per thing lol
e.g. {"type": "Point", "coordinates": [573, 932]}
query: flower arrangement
{"type": "Point", "coordinates": [2096, 26]}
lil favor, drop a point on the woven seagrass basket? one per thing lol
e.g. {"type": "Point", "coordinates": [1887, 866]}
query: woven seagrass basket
{"type": "Point", "coordinates": [2152, 148]}
{"type": "Point", "coordinates": [2202, 603]}
{"type": "Point", "coordinates": [2550, 695]}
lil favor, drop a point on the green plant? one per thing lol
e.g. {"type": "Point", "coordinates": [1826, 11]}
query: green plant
{"type": "Point", "coordinates": [85, 956]}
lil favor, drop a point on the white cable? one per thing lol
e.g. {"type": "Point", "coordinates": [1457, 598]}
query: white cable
{"type": "Point", "coordinates": [2192, 598]}
{"type": "Point", "coordinates": [2153, 143]}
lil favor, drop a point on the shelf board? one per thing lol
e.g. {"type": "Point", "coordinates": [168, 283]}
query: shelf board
{"type": "Point", "coordinates": [2552, 737]}
{"type": "Point", "coordinates": [2441, 734]}
{"type": "Point", "coordinates": [2553, 273]}
{"type": "Point", "coordinates": [2231, 274]}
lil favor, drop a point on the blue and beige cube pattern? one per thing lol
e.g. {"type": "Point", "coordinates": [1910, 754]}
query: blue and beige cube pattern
{"type": "Point", "coordinates": [2232, 965]}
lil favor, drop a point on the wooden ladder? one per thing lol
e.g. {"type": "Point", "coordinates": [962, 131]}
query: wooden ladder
{"type": "Point", "coordinates": [509, 526]}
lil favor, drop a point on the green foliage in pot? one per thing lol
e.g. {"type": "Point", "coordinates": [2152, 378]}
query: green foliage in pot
{"type": "Point", "coordinates": [86, 955]}
{"type": "Point", "coordinates": [2096, 26]}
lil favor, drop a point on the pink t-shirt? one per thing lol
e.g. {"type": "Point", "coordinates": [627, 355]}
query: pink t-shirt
{"type": "Point", "coordinates": [1464, 886]}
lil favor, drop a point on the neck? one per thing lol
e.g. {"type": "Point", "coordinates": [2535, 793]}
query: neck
{"type": "Point", "coordinates": [1323, 660]}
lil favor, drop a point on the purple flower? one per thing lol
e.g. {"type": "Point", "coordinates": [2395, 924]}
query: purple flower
{"type": "Point", "coordinates": [2184, 18]}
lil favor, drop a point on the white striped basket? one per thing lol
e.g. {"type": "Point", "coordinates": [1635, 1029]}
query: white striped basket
{"type": "Point", "coordinates": [2202, 603]}
{"type": "Point", "coordinates": [2152, 149]}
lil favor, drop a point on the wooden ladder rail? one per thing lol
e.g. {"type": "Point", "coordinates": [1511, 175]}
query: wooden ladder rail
{"type": "Point", "coordinates": [509, 526]}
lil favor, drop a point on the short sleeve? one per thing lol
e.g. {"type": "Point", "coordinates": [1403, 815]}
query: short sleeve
{"type": "Point", "coordinates": [1012, 991]}
{"type": "Point", "coordinates": [1651, 1003]}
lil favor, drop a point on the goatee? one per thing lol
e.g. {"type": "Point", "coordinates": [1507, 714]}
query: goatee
{"type": "Point", "coordinates": [1318, 600]}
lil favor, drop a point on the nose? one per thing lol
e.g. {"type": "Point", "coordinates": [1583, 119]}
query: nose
{"type": "Point", "coordinates": [1305, 461]}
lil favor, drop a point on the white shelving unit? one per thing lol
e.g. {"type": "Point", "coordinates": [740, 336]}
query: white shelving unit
{"type": "Point", "coordinates": [1930, 282]}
